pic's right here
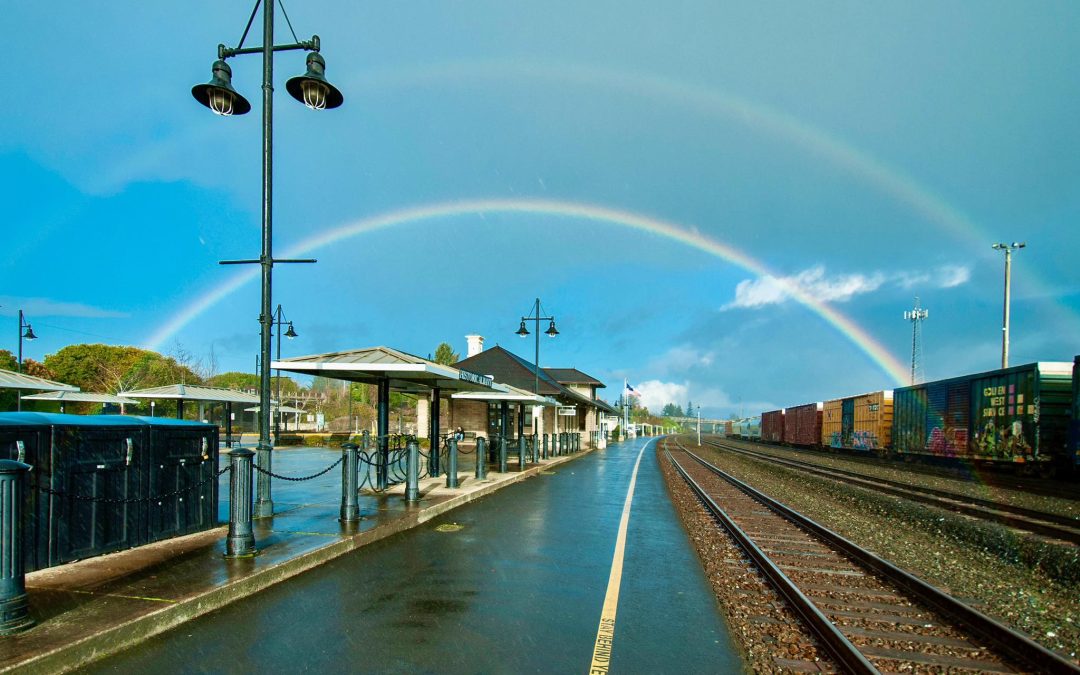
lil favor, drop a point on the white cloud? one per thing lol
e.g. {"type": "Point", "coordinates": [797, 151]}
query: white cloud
{"type": "Point", "coordinates": [46, 307]}
{"type": "Point", "coordinates": [770, 290]}
{"type": "Point", "coordinates": [682, 358]}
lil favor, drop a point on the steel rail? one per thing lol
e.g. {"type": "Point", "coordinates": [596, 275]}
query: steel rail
{"type": "Point", "coordinates": [838, 646]}
{"type": "Point", "coordinates": [1018, 645]}
{"type": "Point", "coordinates": [1006, 514]}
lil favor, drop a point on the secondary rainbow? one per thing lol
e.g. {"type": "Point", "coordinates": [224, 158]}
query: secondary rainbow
{"type": "Point", "coordinates": [552, 208]}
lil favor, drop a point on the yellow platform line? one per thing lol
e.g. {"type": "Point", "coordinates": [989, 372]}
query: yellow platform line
{"type": "Point", "coordinates": [605, 634]}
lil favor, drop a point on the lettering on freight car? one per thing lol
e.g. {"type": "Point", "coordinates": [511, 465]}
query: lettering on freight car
{"type": "Point", "coordinates": [873, 407]}
{"type": "Point", "coordinates": [994, 391]}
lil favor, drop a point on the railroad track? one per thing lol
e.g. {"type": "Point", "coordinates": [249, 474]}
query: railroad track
{"type": "Point", "coordinates": [1049, 525]}
{"type": "Point", "coordinates": [869, 615]}
{"type": "Point", "coordinates": [1004, 477]}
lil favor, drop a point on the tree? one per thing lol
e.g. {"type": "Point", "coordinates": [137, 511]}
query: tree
{"type": "Point", "coordinates": [689, 408]}
{"type": "Point", "coordinates": [446, 355]}
{"type": "Point", "coordinates": [672, 410]}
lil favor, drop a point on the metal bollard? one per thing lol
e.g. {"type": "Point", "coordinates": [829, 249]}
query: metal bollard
{"type": "Point", "coordinates": [502, 454]}
{"type": "Point", "coordinates": [350, 507]}
{"type": "Point", "coordinates": [521, 453]}
{"type": "Point", "coordinates": [412, 471]}
{"type": "Point", "coordinates": [481, 458]}
{"type": "Point", "coordinates": [14, 602]}
{"type": "Point", "coordinates": [545, 455]}
{"type": "Point", "coordinates": [451, 464]}
{"type": "Point", "coordinates": [240, 542]}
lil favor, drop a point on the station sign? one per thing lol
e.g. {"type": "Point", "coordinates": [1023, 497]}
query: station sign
{"type": "Point", "coordinates": [482, 380]}
{"type": "Point", "coordinates": [567, 411]}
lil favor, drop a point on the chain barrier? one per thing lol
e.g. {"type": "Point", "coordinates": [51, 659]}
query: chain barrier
{"type": "Point", "coordinates": [301, 479]}
{"type": "Point", "coordinates": [132, 500]}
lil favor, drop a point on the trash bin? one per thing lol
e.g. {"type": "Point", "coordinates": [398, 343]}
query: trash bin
{"type": "Point", "coordinates": [100, 472]}
{"type": "Point", "coordinates": [25, 438]}
{"type": "Point", "coordinates": [183, 459]}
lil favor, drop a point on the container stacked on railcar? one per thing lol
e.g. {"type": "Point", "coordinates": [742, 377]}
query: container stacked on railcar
{"type": "Point", "coordinates": [772, 426]}
{"type": "Point", "coordinates": [802, 425]}
{"type": "Point", "coordinates": [729, 430]}
{"type": "Point", "coordinates": [862, 422]}
{"type": "Point", "coordinates": [1019, 414]}
{"type": "Point", "coordinates": [747, 428]}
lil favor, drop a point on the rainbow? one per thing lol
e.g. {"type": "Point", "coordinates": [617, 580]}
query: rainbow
{"type": "Point", "coordinates": [706, 99]}
{"type": "Point", "coordinates": [563, 209]}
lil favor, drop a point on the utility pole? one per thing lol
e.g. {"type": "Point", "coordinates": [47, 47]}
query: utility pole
{"type": "Point", "coordinates": [699, 426]}
{"type": "Point", "coordinates": [916, 316]}
{"type": "Point", "coordinates": [1008, 249]}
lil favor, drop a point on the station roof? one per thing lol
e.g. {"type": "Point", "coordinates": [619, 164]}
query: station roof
{"type": "Point", "coordinates": [508, 368]}
{"type": "Point", "coordinates": [190, 392]}
{"type": "Point", "coordinates": [9, 379]}
{"type": "Point", "coordinates": [405, 371]}
{"type": "Point", "coordinates": [79, 397]}
{"type": "Point", "coordinates": [505, 392]}
{"type": "Point", "coordinates": [573, 376]}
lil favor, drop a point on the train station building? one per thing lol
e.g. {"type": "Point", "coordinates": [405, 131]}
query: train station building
{"type": "Point", "coordinates": [540, 400]}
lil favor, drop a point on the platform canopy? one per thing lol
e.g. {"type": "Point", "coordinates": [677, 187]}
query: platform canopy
{"type": "Point", "coordinates": [373, 365]}
{"type": "Point", "coordinates": [9, 379]}
{"type": "Point", "coordinates": [287, 409]}
{"type": "Point", "coordinates": [189, 392]}
{"type": "Point", "coordinates": [79, 397]}
{"type": "Point", "coordinates": [506, 392]}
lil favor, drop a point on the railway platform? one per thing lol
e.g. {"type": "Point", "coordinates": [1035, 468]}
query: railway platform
{"type": "Point", "coordinates": [563, 572]}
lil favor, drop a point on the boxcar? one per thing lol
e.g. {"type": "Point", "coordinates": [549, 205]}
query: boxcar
{"type": "Point", "coordinates": [862, 422]}
{"type": "Point", "coordinates": [1074, 419]}
{"type": "Point", "coordinates": [802, 425]}
{"type": "Point", "coordinates": [1019, 414]}
{"type": "Point", "coordinates": [772, 426]}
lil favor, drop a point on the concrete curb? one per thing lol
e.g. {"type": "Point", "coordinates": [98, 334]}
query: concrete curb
{"type": "Point", "coordinates": [125, 635]}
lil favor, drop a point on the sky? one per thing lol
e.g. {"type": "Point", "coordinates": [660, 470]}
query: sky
{"type": "Point", "coordinates": [726, 203]}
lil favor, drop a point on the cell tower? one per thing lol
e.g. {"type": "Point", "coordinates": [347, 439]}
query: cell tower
{"type": "Point", "coordinates": [916, 316]}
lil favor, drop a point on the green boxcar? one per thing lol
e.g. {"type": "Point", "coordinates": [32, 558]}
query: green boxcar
{"type": "Point", "coordinates": [1018, 414]}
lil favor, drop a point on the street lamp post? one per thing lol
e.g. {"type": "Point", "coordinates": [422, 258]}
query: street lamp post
{"type": "Point", "coordinates": [535, 315]}
{"type": "Point", "coordinates": [279, 321]}
{"type": "Point", "coordinates": [28, 334]}
{"type": "Point", "coordinates": [1008, 249]}
{"type": "Point", "coordinates": [313, 90]}
{"type": "Point", "coordinates": [524, 332]}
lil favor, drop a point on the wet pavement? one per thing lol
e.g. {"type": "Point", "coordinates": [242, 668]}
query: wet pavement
{"type": "Point", "coordinates": [512, 582]}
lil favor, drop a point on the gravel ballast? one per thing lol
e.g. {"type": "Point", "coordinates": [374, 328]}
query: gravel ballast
{"type": "Point", "coordinates": [1043, 602]}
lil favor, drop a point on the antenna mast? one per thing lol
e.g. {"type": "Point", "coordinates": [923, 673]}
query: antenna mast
{"type": "Point", "coordinates": [916, 316]}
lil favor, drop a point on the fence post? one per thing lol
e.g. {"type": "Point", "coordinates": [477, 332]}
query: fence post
{"type": "Point", "coordinates": [412, 471]}
{"type": "Point", "coordinates": [350, 507]}
{"type": "Point", "coordinates": [521, 453]}
{"type": "Point", "coordinates": [14, 602]}
{"type": "Point", "coordinates": [481, 458]}
{"type": "Point", "coordinates": [545, 455]}
{"type": "Point", "coordinates": [240, 542]}
{"type": "Point", "coordinates": [451, 463]}
{"type": "Point", "coordinates": [502, 454]}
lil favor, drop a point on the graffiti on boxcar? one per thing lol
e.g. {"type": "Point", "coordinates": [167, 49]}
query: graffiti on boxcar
{"type": "Point", "coordinates": [948, 442]}
{"type": "Point", "coordinates": [1003, 442]}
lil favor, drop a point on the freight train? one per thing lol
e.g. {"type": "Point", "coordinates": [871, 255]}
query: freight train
{"type": "Point", "coordinates": [1027, 414]}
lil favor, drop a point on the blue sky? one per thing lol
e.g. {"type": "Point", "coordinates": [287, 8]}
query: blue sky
{"type": "Point", "coordinates": [867, 153]}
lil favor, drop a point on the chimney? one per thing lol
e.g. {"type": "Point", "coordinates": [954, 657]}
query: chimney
{"type": "Point", "coordinates": [476, 344]}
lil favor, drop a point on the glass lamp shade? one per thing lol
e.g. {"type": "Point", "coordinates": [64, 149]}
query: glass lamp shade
{"type": "Point", "coordinates": [312, 89]}
{"type": "Point", "coordinates": [219, 95]}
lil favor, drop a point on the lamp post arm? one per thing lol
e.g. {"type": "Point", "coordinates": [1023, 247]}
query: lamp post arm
{"type": "Point", "coordinates": [311, 45]}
